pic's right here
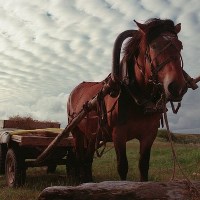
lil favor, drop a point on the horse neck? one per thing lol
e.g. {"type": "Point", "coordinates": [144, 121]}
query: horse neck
{"type": "Point", "coordinates": [142, 72]}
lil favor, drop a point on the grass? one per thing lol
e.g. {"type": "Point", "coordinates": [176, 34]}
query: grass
{"type": "Point", "coordinates": [161, 169]}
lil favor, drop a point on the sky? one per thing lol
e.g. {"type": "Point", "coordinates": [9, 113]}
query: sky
{"type": "Point", "coordinates": [47, 47]}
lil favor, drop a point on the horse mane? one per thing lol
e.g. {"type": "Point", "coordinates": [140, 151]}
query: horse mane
{"type": "Point", "coordinates": [155, 28]}
{"type": "Point", "coordinates": [131, 46]}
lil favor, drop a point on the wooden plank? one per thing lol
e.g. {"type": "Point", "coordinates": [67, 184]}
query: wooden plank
{"type": "Point", "coordinates": [40, 141]}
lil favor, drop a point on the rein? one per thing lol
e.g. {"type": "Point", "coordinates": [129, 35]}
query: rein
{"type": "Point", "coordinates": [156, 69]}
{"type": "Point", "coordinates": [192, 188]}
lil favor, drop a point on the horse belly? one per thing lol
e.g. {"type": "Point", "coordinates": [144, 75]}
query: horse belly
{"type": "Point", "coordinates": [89, 125]}
{"type": "Point", "coordinates": [143, 127]}
{"type": "Point", "coordinates": [83, 93]}
{"type": "Point", "coordinates": [137, 125]}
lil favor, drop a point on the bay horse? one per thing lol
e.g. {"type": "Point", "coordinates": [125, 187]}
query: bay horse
{"type": "Point", "coordinates": [149, 75]}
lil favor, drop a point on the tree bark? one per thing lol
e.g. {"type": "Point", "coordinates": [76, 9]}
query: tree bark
{"type": "Point", "coordinates": [124, 190]}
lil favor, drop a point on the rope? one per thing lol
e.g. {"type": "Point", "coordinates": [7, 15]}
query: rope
{"type": "Point", "coordinates": [100, 154]}
{"type": "Point", "coordinates": [192, 187]}
{"type": "Point", "coordinates": [103, 123]}
{"type": "Point", "coordinates": [104, 152]}
{"type": "Point", "coordinates": [175, 110]}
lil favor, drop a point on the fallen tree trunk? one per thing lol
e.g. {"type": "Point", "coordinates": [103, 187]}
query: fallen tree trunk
{"type": "Point", "coordinates": [124, 190]}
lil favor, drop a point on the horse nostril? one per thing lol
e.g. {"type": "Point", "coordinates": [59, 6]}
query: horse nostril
{"type": "Point", "coordinates": [174, 89]}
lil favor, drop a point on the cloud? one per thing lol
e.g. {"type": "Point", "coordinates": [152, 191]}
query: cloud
{"type": "Point", "coordinates": [51, 108]}
{"type": "Point", "coordinates": [48, 47]}
{"type": "Point", "coordinates": [188, 116]}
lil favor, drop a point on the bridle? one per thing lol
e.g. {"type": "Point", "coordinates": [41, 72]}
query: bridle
{"type": "Point", "coordinates": [157, 87]}
{"type": "Point", "coordinates": [156, 68]}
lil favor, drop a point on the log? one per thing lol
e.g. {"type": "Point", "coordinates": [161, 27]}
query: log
{"type": "Point", "coordinates": [124, 190]}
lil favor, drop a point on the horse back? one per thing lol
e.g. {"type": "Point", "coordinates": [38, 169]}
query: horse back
{"type": "Point", "coordinates": [84, 92]}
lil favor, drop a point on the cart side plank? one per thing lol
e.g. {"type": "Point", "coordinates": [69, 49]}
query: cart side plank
{"type": "Point", "coordinates": [40, 141]}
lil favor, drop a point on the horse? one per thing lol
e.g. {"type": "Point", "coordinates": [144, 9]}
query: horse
{"type": "Point", "coordinates": [149, 74]}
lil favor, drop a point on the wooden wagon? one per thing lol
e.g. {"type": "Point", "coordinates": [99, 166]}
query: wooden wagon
{"type": "Point", "coordinates": [19, 149]}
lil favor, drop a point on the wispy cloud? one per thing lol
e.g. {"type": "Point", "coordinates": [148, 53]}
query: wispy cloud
{"type": "Point", "coordinates": [48, 47]}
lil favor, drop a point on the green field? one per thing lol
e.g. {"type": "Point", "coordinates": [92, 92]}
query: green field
{"type": "Point", "coordinates": [161, 167]}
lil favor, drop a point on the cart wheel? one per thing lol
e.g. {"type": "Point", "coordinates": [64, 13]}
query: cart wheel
{"type": "Point", "coordinates": [51, 168]}
{"type": "Point", "coordinates": [15, 168]}
{"type": "Point", "coordinates": [2, 159]}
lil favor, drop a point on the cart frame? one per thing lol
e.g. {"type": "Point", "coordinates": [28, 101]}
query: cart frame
{"type": "Point", "coordinates": [19, 152]}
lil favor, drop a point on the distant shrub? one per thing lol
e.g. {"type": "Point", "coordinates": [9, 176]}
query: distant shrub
{"type": "Point", "coordinates": [28, 123]}
{"type": "Point", "coordinates": [26, 119]}
{"type": "Point", "coordinates": [164, 135]}
{"type": "Point", "coordinates": [179, 138]}
{"type": "Point", "coordinates": [21, 118]}
{"type": "Point", "coordinates": [188, 138]}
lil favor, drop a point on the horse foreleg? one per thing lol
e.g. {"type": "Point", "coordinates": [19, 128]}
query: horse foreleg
{"type": "Point", "coordinates": [122, 162]}
{"type": "Point", "coordinates": [145, 151]}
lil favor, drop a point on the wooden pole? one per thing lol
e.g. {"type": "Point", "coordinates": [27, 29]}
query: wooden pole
{"type": "Point", "coordinates": [90, 106]}
{"type": "Point", "coordinates": [192, 83]}
{"type": "Point", "coordinates": [57, 140]}
{"type": "Point", "coordinates": [197, 79]}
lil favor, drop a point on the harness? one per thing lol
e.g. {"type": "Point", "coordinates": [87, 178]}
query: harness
{"type": "Point", "coordinates": [156, 102]}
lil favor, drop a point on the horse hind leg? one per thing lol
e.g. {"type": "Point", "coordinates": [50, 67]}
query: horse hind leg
{"type": "Point", "coordinates": [82, 158]}
{"type": "Point", "coordinates": [122, 162]}
{"type": "Point", "coordinates": [75, 157]}
{"type": "Point", "coordinates": [72, 167]}
{"type": "Point", "coordinates": [88, 160]}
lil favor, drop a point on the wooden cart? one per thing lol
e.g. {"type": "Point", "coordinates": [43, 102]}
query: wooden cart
{"type": "Point", "coordinates": [20, 148]}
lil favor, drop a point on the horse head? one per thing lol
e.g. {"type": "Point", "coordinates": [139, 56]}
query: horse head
{"type": "Point", "coordinates": [155, 53]}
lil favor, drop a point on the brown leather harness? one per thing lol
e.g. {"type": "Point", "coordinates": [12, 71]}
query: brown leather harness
{"type": "Point", "coordinates": [148, 104]}
{"type": "Point", "coordinates": [159, 106]}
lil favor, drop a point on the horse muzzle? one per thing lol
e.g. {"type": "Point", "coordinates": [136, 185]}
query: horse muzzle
{"type": "Point", "coordinates": [175, 91]}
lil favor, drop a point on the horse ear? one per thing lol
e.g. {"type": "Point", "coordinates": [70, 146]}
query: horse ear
{"type": "Point", "coordinates": [178, 28]}
{"type": "Point", "coordinates": [142, 27]}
